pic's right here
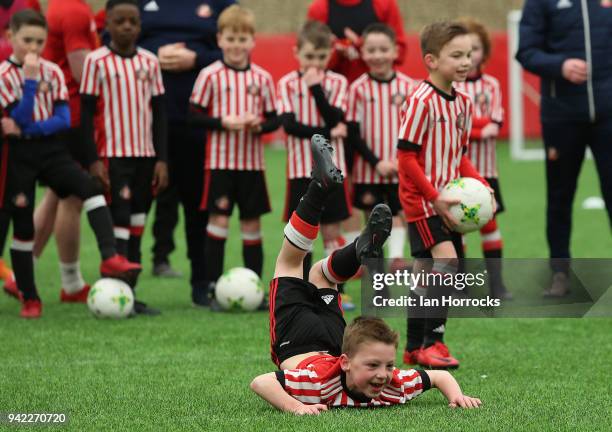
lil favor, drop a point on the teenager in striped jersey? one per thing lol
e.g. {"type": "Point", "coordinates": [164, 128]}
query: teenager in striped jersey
{"type": "Point", "coordinates": [122, 89]}
{"type": "Point", "coordinates": [322, 365]}
{"type": "Point", "coordinates": [234, 100]}
{"type": "Point", "coordinates": [433, 140]}
{"type": "Point", "coordinates": [486, 94]}
{"type": "Point", "coordinates": [373, 118]}
{"type": "Point", "coordinates": [312, 100]}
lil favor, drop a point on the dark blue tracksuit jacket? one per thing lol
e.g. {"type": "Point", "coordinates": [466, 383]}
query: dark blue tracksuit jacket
{"type": "Point", "coordinates": [552, 31]}
{"type": "Point", "coordinates": [191, 21]}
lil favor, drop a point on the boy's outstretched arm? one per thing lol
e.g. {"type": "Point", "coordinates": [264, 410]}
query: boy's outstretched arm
{"type": "Point", "coordinates": [269, 389]}
{"type": "Point", "coordinates": [449, 387]}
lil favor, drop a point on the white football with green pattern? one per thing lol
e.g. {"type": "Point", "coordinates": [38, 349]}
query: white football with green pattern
{"type": "Point", "coordinates": [239, 289]}
{"type": "Point", "coordinates": [476, 207]}
{"type": "Point", "coordinates": [110, 298]}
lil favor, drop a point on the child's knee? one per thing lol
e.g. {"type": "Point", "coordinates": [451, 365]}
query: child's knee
{"type": "Point", "coordinates": [317, 277]}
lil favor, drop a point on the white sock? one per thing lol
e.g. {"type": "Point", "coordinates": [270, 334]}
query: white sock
{"type": "Point", "coordinates": [397, 239]}
{"type": "Point", "coordinates": [351, 236]}
{"type": "Point", "coordinates": [72, 279]}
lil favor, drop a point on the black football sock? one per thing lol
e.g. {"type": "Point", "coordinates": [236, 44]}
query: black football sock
{"type": "Point", "coordinates": [23, 267]}
{"type": "Point", "coordinates": [435, 325]}
{"type": "Point", "coordinates": [134, 255]}
{"type": "Point", "coordinates": [416, 332]}
{"type": "Point", "coordinates": [215, 250]}
{"type": "Point", "coordinates": [252, 253]}
{"type": "Point", "coordinates": [342, 264]}
{"type": "Point", "coordinates": [101, 223]}
{"type": "Point", "coordinates": [311, 205]}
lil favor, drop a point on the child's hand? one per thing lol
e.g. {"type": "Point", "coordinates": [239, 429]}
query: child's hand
{"type": "Point", "coordinates": [463, 401]}
{"type": "Point", "coordinates": [309, 409]}
{"type": "Point", "coordinates": [493, 200]}
{"type": "Point", "coordinates": [160, 177]}
{"type": "Point", "coordinates": [9, 127]}
{"type": "Point", "coordinates": [31, 66]}
{"type": "Point", "coordinates": [233, 122]}
{"type": "Point", "coordinates": [386, 168]}
{"type": "Point", "coordinates": [442, 207]}
{"type": "Point", "coordinates": [490, 131]}
{"type": "Point", "coordinates": [253, 122]}
{"type": "Point", "coordinates": [313, 76]}
{"type": "Point", "coordinates": [339, 131]}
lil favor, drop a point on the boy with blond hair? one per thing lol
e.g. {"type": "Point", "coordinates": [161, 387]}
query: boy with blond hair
{"type": "Point", "coordinates": [234, 100]}
{"type": "Point", "coordinates": [322, 364]}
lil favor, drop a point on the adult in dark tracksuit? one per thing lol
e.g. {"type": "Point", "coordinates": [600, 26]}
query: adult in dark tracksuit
{"type": "Point", "coordinates": [568, 43]}
{"type": "Point", "coordinates": [183, 34]}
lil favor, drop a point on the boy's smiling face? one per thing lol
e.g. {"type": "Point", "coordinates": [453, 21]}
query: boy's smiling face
{"type": "Point", "coordinates": [236, 46]}
{"type": "Point", "coordinates": [370, 369]}
{"type": "Point", "coordinates": [379, 52]}
{"type": "Point", "coordinates": [454, 60]}
{"type": "Point", "coordinates": [29, 39]}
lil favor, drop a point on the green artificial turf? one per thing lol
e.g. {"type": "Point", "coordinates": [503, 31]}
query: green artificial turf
{"type": "Point", "coordinates": [189, 369]}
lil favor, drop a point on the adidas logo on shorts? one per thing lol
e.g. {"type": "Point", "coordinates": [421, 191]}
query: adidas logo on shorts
{"type": "Point", "coordinates": [327, 298]}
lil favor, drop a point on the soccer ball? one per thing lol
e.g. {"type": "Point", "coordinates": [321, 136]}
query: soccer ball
{"type": "Point", "coordinates": [110, 298]}
{"type": "Point", "coordinates": [475, 209]}
{"type": "Point", "coordinates": [239, 289]}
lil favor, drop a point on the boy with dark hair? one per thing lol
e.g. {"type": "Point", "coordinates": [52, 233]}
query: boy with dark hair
{"type": "Point", "coordinates": [373, 119]}
{"type": "Point", "coordinates": [234, 99]}
{"type": "Point", "coordinates": [433, 139]}
{"type": "Point", "coordinates": [122, 85]}
{"type": "Point", "coordinates": [321, 364]}
{"type": "Point", "coordinates": [312, 100]}
{"type": "Point", "coordinates": [34, 99]}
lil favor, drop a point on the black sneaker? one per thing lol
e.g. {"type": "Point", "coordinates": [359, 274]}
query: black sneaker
{"type": "Point", "coordinates": [323, 170]}
{"type": "Point", "coordinates": [200, 294]}
{"type": "Point", "coordinates": [141, 308]}
{"type": "Point", "coordinates": [371, 240]}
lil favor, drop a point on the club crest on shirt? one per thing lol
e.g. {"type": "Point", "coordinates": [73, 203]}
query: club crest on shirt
{"type": "Point", "coordinates": [398, 99]}
{"type": "Point", "coordinates": [204, 11]}
{"type": "Point", "coordinates": [142, 75]}
{"type": "Point", "coordinates": [21, 200]}
{"type": "Point", "coordinates": [482, 102]}
{"type": "Point", "coordinates": [461, 121]}
{"type": "Point", "coordinates": [44, 86]}
{"type": "Point", "coordinates": [254, 90]}
{"type": "Point", "coordinates": [125, 193]}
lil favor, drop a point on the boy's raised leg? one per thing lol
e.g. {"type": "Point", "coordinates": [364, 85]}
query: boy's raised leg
{"type": "Point", "coordinates": [303, 226]}
{"type": "Point", "coordinates": [344, 263]}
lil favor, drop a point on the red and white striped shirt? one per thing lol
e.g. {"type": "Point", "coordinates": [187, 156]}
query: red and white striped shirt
{"type": "Point", "coordinates": [376, 106]}
{"type": "Point", "coordinates": [318, 380]}
{"type": "Point", "coordinates": [295, 98]}
{"type": "Point", "coordinates": [124, 87]}
{"type": "Point", "coordinates": [440, 125]}
{"type": "Point", "coordinates": [485, 92]}
{"type": "Point", "coordinates": [51, 87]}
{"type": "Point", "coordinates": [222, 91]}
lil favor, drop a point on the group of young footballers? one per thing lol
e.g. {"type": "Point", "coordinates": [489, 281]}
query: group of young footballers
{"type": "Point", "coordinates": [410, 139]}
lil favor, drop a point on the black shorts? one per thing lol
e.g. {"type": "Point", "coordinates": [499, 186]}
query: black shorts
{"type": "Point", "coordinates": [130, 180]}
{"type": "Point", "coordinates": [349, 156]}
{"type": "Point", "coordinates": [224, 188]}
{"type": "Point", "coordinates": [494, 183]}
{"type": "Point", "coordinates": [49, 161]}
{"type": "Point", "coordinates": [426, 233]}
{"type": "Point", "coordinates": [366, 196]}
{"type": "Point", "coordinates": [304, 318]}
{"type": "Point", "coordinates": [337, 207]}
